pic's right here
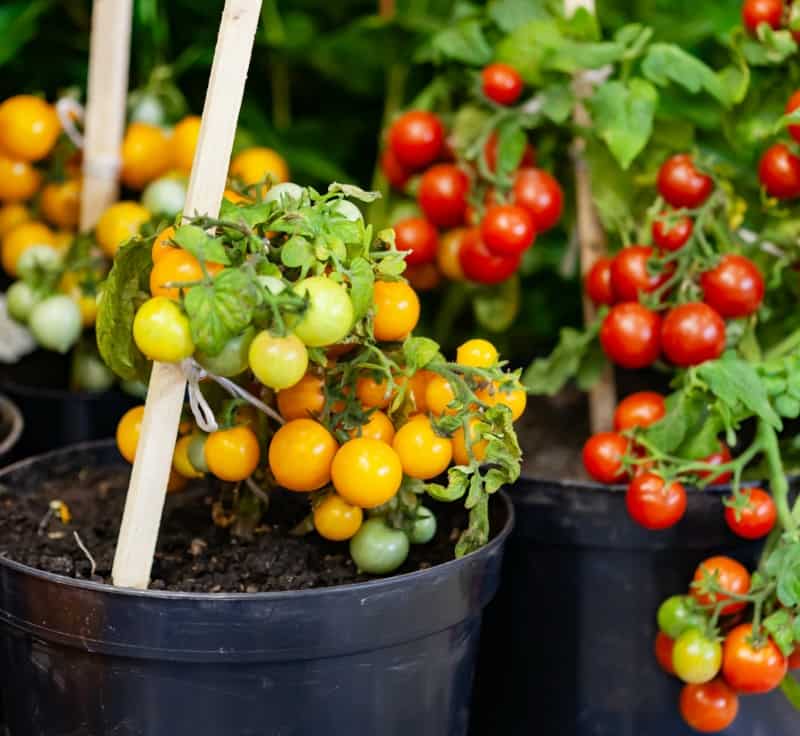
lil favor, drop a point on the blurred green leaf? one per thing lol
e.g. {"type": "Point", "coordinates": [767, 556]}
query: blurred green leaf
{"type": "Point", "coordinates": [19, 22]}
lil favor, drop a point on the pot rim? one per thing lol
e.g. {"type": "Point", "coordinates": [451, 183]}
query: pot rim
{"type": "Point", "coordinates": [369, 587]}
{"type": "Point", "coordinates": [11, 410]}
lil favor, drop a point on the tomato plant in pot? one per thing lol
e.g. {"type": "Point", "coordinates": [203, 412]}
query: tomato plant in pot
{"type": "Point", "coordinates": [697, 310]}
{"type": "Point", "coordinates": [321, 425]}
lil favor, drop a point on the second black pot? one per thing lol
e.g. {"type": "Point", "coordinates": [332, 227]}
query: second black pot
{"type": "Point", "coordinates": [567, 646]}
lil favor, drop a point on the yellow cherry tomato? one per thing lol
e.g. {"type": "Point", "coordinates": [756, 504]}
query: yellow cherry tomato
{"type": "Point", "coordinates": [180, 459]}
{"type": "Point", "coordinates": [301, 454]}
{"type": "Point", "coordinates": [438, 395]}
{"type": "Point", "coordinates": [128, 431]}
{"type": "Point", "coordinates": [303, 400]}
{"type": "Point", "coordinates": [18, 180]}
{"type": "Point", "coordinates": [460, 453]}
{"type": "Point", "coordinates": [419, 388]}
{"type": "Point", "coordinates": [477, 353]}
{"type": "Point", "coordinates": [516, 399]}
{"type": "Point", "coordinates": [422, 452]}
{"type": "Point", "coordinates": [278, 362]}
{"type": "Point", "coordinates": [255, 164]}
{"type": "Point", "coordinates": [19, 239]}
{"type": "Point", "coordinates": [161, 331]}
{"type": "Point", "coordinates": [61, 203]}
{"type": "Point", "coordinates": [11, 215]}
{"type": "Point", "coordinates": [396, 310]}
{"type": "Point", "coordinates": [184, 143]}
{"type": "Point", "coordinates": [337, 520]}
{"type": "Point", "coordinates": [146, 154]}
{"type": "Point", "coordinates": [29, 127]}
{"type": "Point", "coordinates": [448, 256]}
{"type": "Point", "coordinates": [120, 222]}
{"type": "Point", "coordinates": [232, 454]}
{"type": "Point", "coordinates": [373, 393]}
{"type": "Point", "coordinates": [366, 472]}
{"type": "Point", "coordinates": [162, 245]}
{"type": "Point", "coordinates": [180, 266]}
{"type": "Point", "coordinates": [377, 427]}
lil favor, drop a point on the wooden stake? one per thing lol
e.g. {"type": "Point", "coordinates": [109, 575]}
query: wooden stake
{"type": "Point", "coordinates": [106, 92]}
{"type": "Point", "coordinates": [151, 468]}
{"type": "Point", "coordinates": [592, 241]}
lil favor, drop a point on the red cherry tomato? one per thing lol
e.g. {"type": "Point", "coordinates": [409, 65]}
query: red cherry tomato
{"type": "Point", "coordinates": [756, 12]}
{"type": "Point", "coordinates": [730, 576]}
{"type": "Point", "coordinates": [416, 138]}
{"type": "Point", "coordinates": [709, 707]}
{"type": "Point", "coordinates": [443, 195]}
{"type": "Point", "coordinates": [630, 335]}
{"type": "Point", "coordinates": [630, 274]}
{"type": "Point", "coordinates": [501, 83]}
{"type": "Point", "coordinates": [791, 106]}
{"type": "Point", "coordinates": [779, 172]}
{"type": "Point", "coordinates": [507, 229]}
{"type": "Point", "coordinates": [720, 457]}
{"type": "Point", "coordinates": [639, 410]}
{"type": "Point", "coordinates": [681, 184]}
{"type": "Point", "coordinates": [653, 504]}
{"type": "Point", "coordinates": [663, 647]}
{"type": "Point", "coordinates": [479, 264]}
{"type": "Point", "coordinates": [541, 195]}
{"type": "Point", "coordinates": [602, 456]}
{"type": "Point", "coordinates": [490, 153]}
{"type": "Point", "coordinates": [672, 237]}
{"type": "Point", "coordinates": [794, 659]}
{"type": "Point", "coordinates": [396, 174]}
{"type": "Point", "coordinates": [419, 238]}
{"type": "Point", "coordinates": [750, 666]}
{"type": "Point", "coordinates": [598, 282]}
{"type": "Point", "coordinates": [692, 334]}
{"type": "Point", "coordinates": [756, 519]}
{"type": "Point", "coordinates": [734, 288]}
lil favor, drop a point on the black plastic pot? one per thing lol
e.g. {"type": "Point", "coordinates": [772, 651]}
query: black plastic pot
{"type": "Point", "coordinates": [567, 648]}
{"type": "Point", "coordinates": [54, 415]}
{"type": "Point", "coordinates": [390, 657]}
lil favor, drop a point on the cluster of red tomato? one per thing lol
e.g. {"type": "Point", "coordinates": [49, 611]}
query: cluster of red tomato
{"type": "Point", "coordinates": [717, 673]}
{"type": "Point", "coordinates": [779, 168]}
{"type": "Point", "coordinates": [772, 12]}
{"type": "Point", "coordinates": [633, 335]}
{"type": "Point", "coordinates": [484, 240]}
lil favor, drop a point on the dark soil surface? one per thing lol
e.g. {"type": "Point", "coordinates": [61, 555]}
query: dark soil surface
{"type": "Point", "coordinates": [193, 554]}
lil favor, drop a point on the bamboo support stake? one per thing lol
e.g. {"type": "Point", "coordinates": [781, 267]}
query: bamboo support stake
{"type": "Point", "coordinates": [592, 241]}
{"type": "Point", "coordinates": [151, 468]}
{"type": "Point", "coordinates": [106, 91]}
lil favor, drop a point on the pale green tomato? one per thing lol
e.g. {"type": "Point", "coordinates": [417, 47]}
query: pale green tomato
{"type": "Point", "coordinates": [329, 316]}
{"type": "Point", "coordinates": [20, 301]}
{"type": "Point", "coordinates": [134, 388]}
{"type": "Point", "coordinates": [36, 259]}
{"type": "Point", "coordinates": [285, 194]}
{"type": "Point", "coordinates": [377, 548]}
{"type": "Point", "coordinates": [165, 196]}
{"type": "Point", "coordinates": [197, 452]}
{"type": "Point", "coordinates": [56, 323]}
{"type": "Point", "coordinates": [278, 362]}
{"type": "Point", "coordinates": [424, 528]}
{"type": "Point", "coordinates": [233, 359]}
{"type": "Point", "coordinates": [146, 108]}
{"type": "Point", "coordinates": [161, 331]}
{"type": "Point", "coordinates": [348, 210]}
{"type": "Point", "coordinates": [89, 373]}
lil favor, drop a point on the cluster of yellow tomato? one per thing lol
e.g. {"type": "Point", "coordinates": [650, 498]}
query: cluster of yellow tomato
{"type": "Point", "coordinates": [365, 471]}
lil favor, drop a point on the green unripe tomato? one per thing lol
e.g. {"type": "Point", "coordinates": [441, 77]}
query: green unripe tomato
{"type": "Point", "coordinates": [679, 613]}
{"type": "Point", "coordinates": [20, 301]}
{"type": "Point", "coordinates": [285, 194]}
{"type": "Point", "coordinates": [161, 331]}
{"type": "Point", "coordinates": [197, 452]}
{"type": "Point", "coordinates": [233, 359]}
{"type": "Point", "coordinates": [696, 658]}
{"type": "Point", "coordinates": [36, 259]}
{"type": "Point", "coordinates": [134, 388]}
{"type": "Point", "coordinates": [90, 373]}
{"type": "Point", "coordinates": [278, 362]}
{"type": "Point", "coordinates": [329, 315]}
{"type": "Point", "coordinates": [377, 548]}
{"type": "Point", "coordinates": [56, 323]}
{"type": "Point", "coordinates": [165, 196]}
{"type": "Point", "coordinates": [424, 528]}
{"type": "Point", "coordinates": [348, 210]}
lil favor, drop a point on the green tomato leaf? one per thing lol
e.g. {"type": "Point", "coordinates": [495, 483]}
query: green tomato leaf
{"type": "Point", "coordinates": [457, 485]}
{"type": "Point", "coordinates": [624, 113]}
{"type": "Point", "coordinates": [126, 289]}
{"type": "Point", "coordinates": [770, 48]}
{"type": "Point", "coordinates": [682, 414]}
{"type": "Point", "coordinates": [558, 102]}
{"type": "Point", "coordinates": [297, 252]}
{"type": "Point", "coordinates": [511, 142]}
{"type": "Point", "coordinates": [477, 533]}
{"type": "Point", "coordinates": [353, 192]}
{"type": "Point", "coordinates": [221, 310]}
{"type": "Point", "coordinates": [510, 14]}
{"type": "Point", "coordinates": [665, 63]}
{"type": "Point", "coordinates": [791, 689]}
{"type": "Point", "coordinates": [497, 307]}
{"type": "Point", "coordinates": [550, 374]}
{"type": "Point", "coordinates": [201, 245]}
{"type": "Point", "coordinates": [419, 351]}
{"type": "Point", "coordinates": [362, 281]}
{"type": "Point", "coordinates": [464, 43]}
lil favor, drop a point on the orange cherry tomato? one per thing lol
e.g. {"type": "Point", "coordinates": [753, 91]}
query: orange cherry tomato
{"type": "Point", "coordinates": [184, 142]}
{"type": "Point", "coordinates": [478, 445]}
{"type": "Point", "coordinates": [20, 239]}
{"type": "Point", "coordinates": [396, 310]}
{"type": "Point", "coordinates": [516, 399]}
{"type": "Point", "coordinates": [162, 245]}
{"type": "Point", "coordinates": [303, 400]}
{"type": "Point", "coordinates": [377, 427]}
{"type": "Point", "coordinates": [61, 203]}
{"type": "Point", "coordinates": [423, 454]}
{"type": "Point", "coordinates": [366, 472]}
{"type": "Point", "coordinates": [232, 454]}
{"type": "Point", "coordinates": [29, 127]}
{"type": "Point", "coordinates": [438, 395]}
{"type": "Point", "coordinates": [18, 180]}
{"type": "Point", "coordinates": [418, 388]}
{"type": "Point", "coordinates": [372, 393]}
{"type": "Point", "coordinates": [336, 519]}
{"type": "Point", "coordinates": [128, 431]}
{"type": "Point", "coordinates": [731, 576]}
{"type": "Point", "coordinates": [176, 267]}
{"type": "Point", "coordinates": [447, 257]}
{"type": "Point", "coordinates": [146, 154]}
{"type": "Point", "coordinates": [300, 455]}
{"type": "Point", "coordinates": [477, 353]}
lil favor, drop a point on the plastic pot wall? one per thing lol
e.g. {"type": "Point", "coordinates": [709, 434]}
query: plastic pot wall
{"type": "Point", "coordinates": [390, 657]}
{"type": "Point", "coordinates": [567, 648]}
{"type": "Point", "coordinates": [54, 415]}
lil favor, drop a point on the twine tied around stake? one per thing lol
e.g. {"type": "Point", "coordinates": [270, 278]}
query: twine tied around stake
{"type": "Point", "coordinates": [70, 112]}
{"type": "Point", "coordinates": [202, 412]}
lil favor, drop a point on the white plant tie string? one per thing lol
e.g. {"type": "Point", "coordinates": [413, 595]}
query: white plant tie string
{"type": "Point", "coordinates": [98, 166]}
{"type": "Point", "coordinates": [202, 412]}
